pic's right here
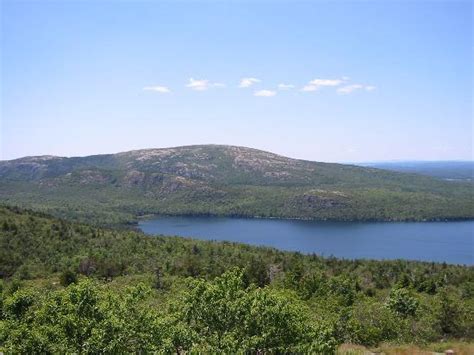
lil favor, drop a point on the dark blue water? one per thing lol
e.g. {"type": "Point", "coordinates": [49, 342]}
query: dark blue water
{"type": "Point", "coordinates": [452, 242]}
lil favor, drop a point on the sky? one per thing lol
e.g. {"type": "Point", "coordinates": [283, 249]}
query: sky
{"type": "Point", "coordinates": [332, 81]}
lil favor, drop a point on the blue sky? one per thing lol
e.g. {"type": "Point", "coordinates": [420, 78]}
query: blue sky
{"type": "Point", "coordinates": [367, 80]}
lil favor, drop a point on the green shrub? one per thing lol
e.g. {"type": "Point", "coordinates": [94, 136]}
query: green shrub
{"type": "Point", "coordinates": [401, 302]}
{"type": "Point", "coordinates": [68, 277]}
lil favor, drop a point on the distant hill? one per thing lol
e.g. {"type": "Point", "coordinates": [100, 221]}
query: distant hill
{"type": "Point", "coordinates": [224, 180]}
{"type": "Point", "coordinates": [446, 170]}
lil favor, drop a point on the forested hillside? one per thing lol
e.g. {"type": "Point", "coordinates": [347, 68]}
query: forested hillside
{"type": "Point", "coordinates": [68, 287]}
{"type": "Point", "coordinates": [224, 180]}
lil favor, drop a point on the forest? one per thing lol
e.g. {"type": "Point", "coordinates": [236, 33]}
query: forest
{"type": "Point", "coordinates": [68, 287]}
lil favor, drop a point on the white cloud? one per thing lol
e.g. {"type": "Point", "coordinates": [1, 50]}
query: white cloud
{"type": "Point", "coordinates": [264, 93]}
{"type": "Point", "coordinates": [248, 82]}
{"type": "Point", "coordinates": [203, 84]}
{"type": "Point", "coordinates": [326, 82]}
{"type": "Point", "coordinates": [158, 88]}
{"type": "Point", "coordinates": [350, 88]}
{"type": "Point", "coordinates": [316, 84]}
{"type": "Point", "coordinates": [199, 85]}
{"type": "Point", "coordinates": [283, 86]}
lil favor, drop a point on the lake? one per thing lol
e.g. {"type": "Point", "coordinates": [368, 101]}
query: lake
{"type": "Point", "coordinates": [451, 242]}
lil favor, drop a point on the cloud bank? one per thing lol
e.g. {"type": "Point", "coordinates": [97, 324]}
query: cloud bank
{"type": "Point", "coordinates": [341, 85]}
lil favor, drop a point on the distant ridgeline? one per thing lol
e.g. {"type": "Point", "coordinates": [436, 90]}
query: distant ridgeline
{"type": "Point", "coordinates": [224, 180]}
{"type": "Point", "coordinates": [446, 170]}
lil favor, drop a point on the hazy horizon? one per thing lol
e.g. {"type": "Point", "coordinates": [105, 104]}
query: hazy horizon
{"type": "Point", "coordinates": [335, 82]}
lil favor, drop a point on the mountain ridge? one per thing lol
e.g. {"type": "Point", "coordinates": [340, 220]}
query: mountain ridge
{"type": "Point", "coordinates": [226, 180]}
{"type": "Point", "coordinates": [125, 152]}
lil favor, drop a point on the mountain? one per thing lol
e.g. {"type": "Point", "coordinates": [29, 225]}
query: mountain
{"type": "Point", "coordinates": [446, 170]}
{"type": "Point", "coordinates": [224, 180]}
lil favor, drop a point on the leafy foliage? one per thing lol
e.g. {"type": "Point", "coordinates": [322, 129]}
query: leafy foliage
{"type": "Point", "coordinates": [212, 317]}
{"type": "Point", "coordinates": [232, 317]}
{"type": "Point", "coordinates": [401, 302]}
{"type": "Point", "coordinates": [70, 288]}
{"type": "Point", "coordinates": [81, 318]}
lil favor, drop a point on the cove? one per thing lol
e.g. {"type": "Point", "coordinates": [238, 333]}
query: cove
{"type": "Point", "coordinates": [450, 242]}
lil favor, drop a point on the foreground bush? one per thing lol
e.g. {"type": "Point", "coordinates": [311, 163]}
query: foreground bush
{"type": "Point", "coordinates": [215, 316]}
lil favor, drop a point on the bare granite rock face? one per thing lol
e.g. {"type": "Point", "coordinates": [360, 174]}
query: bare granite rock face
{"type": "Point", "coordinates": [92, 177]}
{"type": "Point", "coordinates": [134, 178]}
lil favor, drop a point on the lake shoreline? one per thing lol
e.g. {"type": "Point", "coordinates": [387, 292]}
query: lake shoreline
{"type": "Point", "coordinates": [370, 220]}
{"type": "Point", "coordinates": [427, 241]}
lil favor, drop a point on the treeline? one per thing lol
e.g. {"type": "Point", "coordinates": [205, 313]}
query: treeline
{"type": "Point", "coordinates": [66, 288]}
